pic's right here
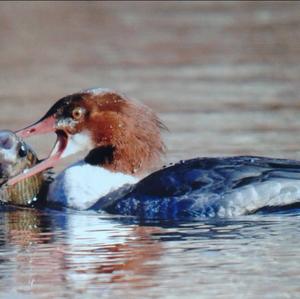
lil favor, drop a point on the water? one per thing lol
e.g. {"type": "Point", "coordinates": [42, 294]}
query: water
{"type": "Point", "coordinates": [70, 255]}
{"type": "Point", "coordinates": [223, 76]}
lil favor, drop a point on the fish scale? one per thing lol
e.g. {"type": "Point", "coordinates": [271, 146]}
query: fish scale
{"type": "Point", "coordinates": [24, 192]}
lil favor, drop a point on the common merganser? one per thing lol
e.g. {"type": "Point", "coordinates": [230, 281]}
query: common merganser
{"type": "Point", "coordinates": [123, 141]}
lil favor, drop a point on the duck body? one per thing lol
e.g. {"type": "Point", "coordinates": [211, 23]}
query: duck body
{"type": "Point", "coordinates": [196, 188]}
{"type": "Point", "coordinates": [209, 187]}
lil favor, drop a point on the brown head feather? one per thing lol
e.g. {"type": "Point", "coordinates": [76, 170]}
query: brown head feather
{"type": "Point", "coordinates": [130, 129]}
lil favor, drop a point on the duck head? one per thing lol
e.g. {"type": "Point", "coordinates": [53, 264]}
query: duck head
{"type": "Point", "coordinates": [117, 133]}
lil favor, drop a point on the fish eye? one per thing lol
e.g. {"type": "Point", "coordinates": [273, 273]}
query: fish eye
{"type": "Point", "coordinates": [78, 113]}
{"type": "Point", "coordinates": [22, 151]}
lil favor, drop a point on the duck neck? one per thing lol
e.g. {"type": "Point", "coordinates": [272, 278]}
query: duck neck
{"type": "Point", "coordinates": [116, 159]}
{"type": "Point", "coordinates": [102, 156]}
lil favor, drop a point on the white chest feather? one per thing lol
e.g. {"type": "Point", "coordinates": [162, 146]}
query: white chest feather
{"type": "Point", "coordinates": [81, 185]}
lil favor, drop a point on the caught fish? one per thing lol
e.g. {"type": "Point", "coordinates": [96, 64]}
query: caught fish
{"type": "Point", "coordinates": [17, 157]}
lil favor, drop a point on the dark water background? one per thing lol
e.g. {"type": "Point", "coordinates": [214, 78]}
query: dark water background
{"type": "Point", "coordinates": [223, 76]}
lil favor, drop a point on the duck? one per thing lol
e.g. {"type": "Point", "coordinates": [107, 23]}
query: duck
{"type": "Point", "coordinates": [121, 145]}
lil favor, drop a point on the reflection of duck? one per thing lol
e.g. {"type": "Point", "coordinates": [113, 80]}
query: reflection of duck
{"type": "Point", "coordinates": [130, 255]}
{"type": "Point", "coordinates": [123, 140]}
{"type": "Point", "coordinates": [74, 251]}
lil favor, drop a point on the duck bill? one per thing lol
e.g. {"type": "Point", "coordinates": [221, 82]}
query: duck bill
{"type": "Point", "coordinates": [51, 161]}
{"type": "Point", "coordinates": [43, 126]}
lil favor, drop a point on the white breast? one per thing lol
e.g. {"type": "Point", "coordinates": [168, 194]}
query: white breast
{"type": "Point", "coordinates": [81, 185]}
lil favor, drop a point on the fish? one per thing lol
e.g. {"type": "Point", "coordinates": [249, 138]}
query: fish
{"type": "Point", "coordinates": [17, 157]}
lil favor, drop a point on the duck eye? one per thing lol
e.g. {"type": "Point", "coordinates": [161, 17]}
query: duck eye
{"type": "Point", "coordinates": [22, 151]}
{"type": "Point", "coordinates": [78, 113]}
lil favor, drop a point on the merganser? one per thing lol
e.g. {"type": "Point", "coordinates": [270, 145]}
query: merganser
{"type": "Point", "coordinates": [123, 142]}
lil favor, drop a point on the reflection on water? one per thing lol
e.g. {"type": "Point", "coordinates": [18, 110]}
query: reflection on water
{"type": "Point", "coordinates": [51, 254]}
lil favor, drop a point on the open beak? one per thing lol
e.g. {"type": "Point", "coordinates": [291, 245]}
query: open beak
{"type": "Point", "coordinates": [45, 126]}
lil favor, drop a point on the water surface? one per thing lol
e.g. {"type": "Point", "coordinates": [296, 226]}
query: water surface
{"type": "Point", "coordinates": [56, 254]}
